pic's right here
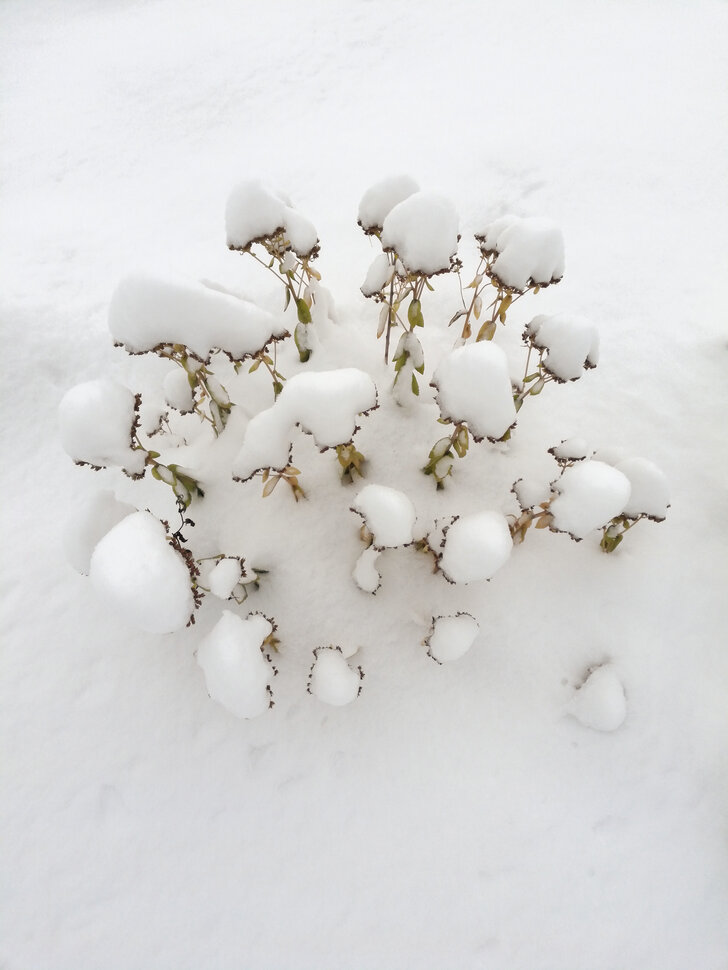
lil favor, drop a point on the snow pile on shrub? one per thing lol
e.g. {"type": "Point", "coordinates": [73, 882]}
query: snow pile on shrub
{"type": "Point", "coordinates": [147, 312]}
{"type": "Point", "coordinates": [650, 492]}
{"type": "Point", "coordinates": [378, 275]}
{"type": "Point", "coordinates": [379, 200]}
{"type": "Point", "coordinates": [237, 672]}
{"type": "Point", "coordinates": [528, 251]}
{"type": "Point", "coordinates": [590, 494]}
{"type": "Point", "coordinates": [473, 387]}
{"type": "Point", "coordinates": [137, 571]}
{"type": "Point", "coordinates": [600, 702]}
{"type": "Point", "coordinates": [423, 231]}
{"type": "Point", "coordinates": [86, 529]}
{"type": "Point", "coordinates": [325, 404]}
{"type": "Point", "coordinates": [570, 449]}
{"type": "Point", "coordinates": [571, 343]}
{"type": "Point", "coordinates": [389, 515]}
{"type": "Point", "coordinates": [475, 547]}
{"type": "Point", "coordinates": [332, 679]}
{"type": "Point", "coordinates": [256, 211]}
{"type": "Point", "coordinates": [224, 577]}
{"type": "Point", "coordinates": [451, 637]}
{"type": "Point", "coordinates": [97, 420]}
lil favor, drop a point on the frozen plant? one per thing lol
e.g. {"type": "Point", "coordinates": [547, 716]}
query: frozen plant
{"type": "Point", "coordinates": [388, 522]}
{"type": "Point", "coordinates": [332, 679]}
{"type": "Point", "coordinates": [236, 666]}
{"type": "Point", "coordinates": [451, 637]}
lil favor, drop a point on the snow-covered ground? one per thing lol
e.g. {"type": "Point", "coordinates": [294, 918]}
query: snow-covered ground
{"type": "Point", "coordinates": [468, 814]}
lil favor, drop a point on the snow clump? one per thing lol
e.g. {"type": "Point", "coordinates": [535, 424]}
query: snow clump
{"type": "Point", "coordinates": [237, 672]}
{"type": "Point", "coordinates": [650, 494]}
{"type": "Point", "coordinates": [572, 344]}
{"type": "Point", "coordinates": [256, 211]}
{"type": "Point", "coordinates": [147, 312]}
{"type": "Point", "coordinates": [379, 200]}
{"type": "Point", "coordinates": [451, 637]}
{"type": "Point", "coordinates": [474, 387]}
{"type": "Point", "coordinates": [365, 573]}
{"type": "Point", "coordinates": [325, 404]}
{"type": "Point", "coordinates": [177, 391]}
{"type": "Point", "coordinates": [378, 275]}
{"type": "Point", "coordinates": [225, 577]}
{"type": "Point", "coordinates": [85, 530]}
{"type": "Point", "coordinates": [570, 449]}
{"type": "Point", "coordinates": [332, 679]}
{"type": "Point", "coordinates": [600, 702]}
{"type": "Point", "coordinates": [388, 514]}
{"type": "Point", "coordinates": [475, 547]}
{"type": "Point", "coordinates": [529, 251]}
{"type": "Point", "coordinates": [423, 231]}
{"type": "Point", "coordinates": [139, 573]}
{"type": "Point", "coordinates": [589, 495]}
{"type": "Point", "coordinates": [97, 419]}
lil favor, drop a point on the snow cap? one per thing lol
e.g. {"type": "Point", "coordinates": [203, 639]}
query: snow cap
{"type": "Point", "coordinates": [423, 231]}
{"type": "Point", "coordinates": [528, 251]}
{"type": "Point", "coordinates": [474, 386]}
{"type": "Point", "coordinates": [379, 200]}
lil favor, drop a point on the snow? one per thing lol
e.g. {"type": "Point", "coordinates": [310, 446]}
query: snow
{"type": "Point", "coordinates": [256, 211]}
{"type": "Point", "coordinates": [378, 275]}
{"type": "Point", "coordinates": [388, 513]}
{"type": "Point", "coordinates": [148, 311]}
{"type": "Point", "coordinates": [589, 495]}
{"type": "Point", "coordinates": [365, 572]}
{"type": "Point", "coordinates": [572, 344]}
{"type": "Point", "coordinates": [451, 637]}
{"type": "Point", "coordinates": [83, 531]}
{"type": "Point", "coordinates": [96, 420]}
{"type": "Point", "coordinates": [177, 390]}
{"type": "Point", "coordinates": [423, 232]}
{"type": "Point", "coordinates": [379, 200]}
{"type": "Point", "coordinates": [332, 679]}
{"type": "Point", "coordinates": [650, 491]}
{"type": "Point", "coordinates": [136, 571]}
{"type": "Point", "coordinates": [237, 673]}
{"type": "Point", "coordinates": [325, 404]}
{"type": "Point", "coordinates": [529, 251]}
{"type": "Point", "coordinates": [224, 578]}
{"type": "Point", "coordinates": [600, 702]}
{"type": "Point", "coordinates": [530, 493]}
{"type": "Point", "coordinates": [476, 546]}
{"type": "Point", "coordinates": [473, 386]}
{"type": "Point", "coordinates": [570, 449]}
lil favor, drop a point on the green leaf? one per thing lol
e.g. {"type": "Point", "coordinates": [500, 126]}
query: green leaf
{"type": "Point", "coordinates": [303, 352]}
{"type": "Point", "coordinates": [304, 314]}
{"type": "Point", "coordinates": [277, 388]}
{"type": "Point", "coordinates": [400, 362]}
{"type": "Point", "coordinates": [414, 314]}
{"type": "Point", "coordinates": [288, 298]}
{"type": "Point", "coordinates": [420, 369]}
{"type": "Point", "coordinates": [415, 386]}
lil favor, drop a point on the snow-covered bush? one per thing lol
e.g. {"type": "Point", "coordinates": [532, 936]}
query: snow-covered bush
{"type": "Point", "coordinates": [219, 420]}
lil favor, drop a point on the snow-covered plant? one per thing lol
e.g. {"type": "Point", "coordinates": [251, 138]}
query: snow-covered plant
{"type": "Point", "coordinates": [230, 412]}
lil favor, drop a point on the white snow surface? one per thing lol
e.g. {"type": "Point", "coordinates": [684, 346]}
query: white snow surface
{"type": "Point", "coordinates": [388, 513]}
{"type": "Point", "coordinates": [600, 702]}
{"type": "Point", "coordinates": [365, 573]}
{"type": "Point", "coordinates": [589, 495]}
{"type": "Point", "coordinates": [571, 342]}
{"type": "Point", "coordinates": [476, 546]}
{"type": "Point", "coordinates": [473, 385]}
{"type": "Point", "coordinates": [529, 251]}
{"type": "Point", "coordinates": [571, 449]}
{"type": "Point", "coordinates": [96, 420]}
{"type": "Point", "coordinates": [333, 680]}
{"type": "Point", "coordinates": [423, 231]}
{"type": "Point", "coordinates": [147, 311]}
{"type": "Point", "coordinates": [255, 211]}
{"type": "Point", "coordinates": [451, 636]}
{"type": "Point", "coordinates": [379, 200]}
{"type": "Point", "coordinates": [135, 570]}
{"type": "Point", "coordinates": [177, 390]}
{"type": "Point", "coordinates": [237, 674]}
{"type": "Point", "coordinates": [452, 816]}
{"type": "Point", "coordinates": [649, 488]}
{"type": "Point", "coordinates": [379, 273]}
{"type": "Point", "coordinates": [325, 404]}
{"type": "Point", "coordinates": [83, 531]}
{"type": "Point", "coordinates": [224, 578]}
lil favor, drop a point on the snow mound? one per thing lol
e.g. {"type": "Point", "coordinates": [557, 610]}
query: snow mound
{"type": "Point", "coordinates": [237, 672]}
{"type": "Point", "coordinates": [177, 391]}
{"type": "Point", "coordinates": [86, 529]}
{"type": "Point", "coordinates": [600, 702]}
{"type": "Point", "coordinates": [423, 231]}
{"type": "Point", "coordinates": [378, 275]}
{"type": "Point", "coordinates": [332, 680]}
{"type": "Point", "coordinates": [147, 312]}
{"type": "Point", "coordinates": [138, 572]}
{"type": "Point", "coordinates": [530, 493]}
{"type": "Point", "coordinates": [256, 211]}
{"type": "Point", "coordinates": [97, 419]}
{"type": "Point", "coordinates": [379, 200]}
{"type": "Point", "coordinates": [388, 513]}
{"type": "Point", "coordinates": [650, 494]}
{"type": "Point", "coordinates": [365, 573]}
{"type": "Point", "coordinates": [572, 344]}
{"type": "Point", "coordinates": [570, 449]}
{"type": "Point", "coordinates": [475, 547]}
{"type": "Point", "coordinates": [589, 495]}
{"type": "Point", "coordinates": [451, 637]}
{"type": "Point", "coordinates": [325, 404]}
{"type": "Point", "coordinates": [529, 251]}
{"type": "Point", "coordinates": [225, 577]}
{"type": "Point", "coordinates": [473, 386]}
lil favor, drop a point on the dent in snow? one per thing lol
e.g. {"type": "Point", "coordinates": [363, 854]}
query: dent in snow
{"type": "Point", "coordinates": [600, 702]}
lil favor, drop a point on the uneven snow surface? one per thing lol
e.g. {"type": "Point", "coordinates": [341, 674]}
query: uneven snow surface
{"type": "Point", "coordinates": [137, 572]}
{"type": "Point", "coordinates": [600, 702]}
{"type": "Point", "coordinates": [454, 815]}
